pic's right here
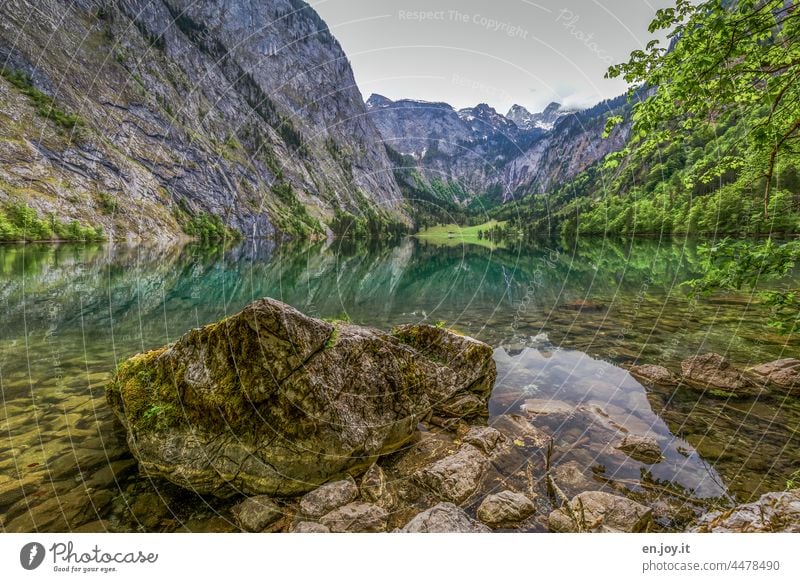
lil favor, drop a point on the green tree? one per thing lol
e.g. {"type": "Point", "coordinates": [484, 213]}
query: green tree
{"type": "Point", "coordinates": [727, 60]}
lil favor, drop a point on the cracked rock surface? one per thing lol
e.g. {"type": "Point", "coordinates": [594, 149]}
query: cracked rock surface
{"type": "Point", "coordinates": [270, 401]}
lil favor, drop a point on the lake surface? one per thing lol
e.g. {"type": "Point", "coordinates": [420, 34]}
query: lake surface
{"type": "Point", "coordinates": [564, 321]}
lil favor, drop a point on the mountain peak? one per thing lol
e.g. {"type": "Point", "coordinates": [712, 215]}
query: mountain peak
{"type": "Point", "coordinates": [545, 120]}
{"type": "Point", "coordinates": [376, 101]}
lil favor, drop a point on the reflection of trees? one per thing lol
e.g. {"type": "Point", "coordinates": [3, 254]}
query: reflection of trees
{"type": "Point", "coordinates": [119, 284]}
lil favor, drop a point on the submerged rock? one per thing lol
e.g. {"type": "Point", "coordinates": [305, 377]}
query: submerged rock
{"type": "Point", "coordinates": [444, 518]}
{"type": "Point", "coordinates": [597, 511]}
{"type": "Point", "coordinates": [505, 508]}
{"type": "Point", "coordinates": [270, 401]}
{"type": "Point", "coordinates": [15, 489]}
{"type": "Point", "coordinates": [641, 448]}
{"type": "Point", "coordinates": [715, 374]}
{"type": "Point", "coordinates": [654, 374]}
{"type": "Point", "coordinates": [571, 477]}
{"type": "Point", "coordinates": [545, 406]}
{"type": "Point", "coordinates": [256, 513]}
{"type": "Point", "coordinates": [773, 512]}
{"type": "Point", "coordinates": [783, 373]}
{"type": "Point", "coordinates": [484, 438]}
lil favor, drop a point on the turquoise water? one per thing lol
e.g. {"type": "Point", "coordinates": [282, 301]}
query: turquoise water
{"type": "Point", "coordinates": [564, 321]}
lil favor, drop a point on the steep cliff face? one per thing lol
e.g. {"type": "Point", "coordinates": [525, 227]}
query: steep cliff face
{"type": "Point", "coordinates": [151, 116]}
{"type": "Point", "coordinates": [575, 143]}
{"type": "Point", "coordinates": [491, 155]}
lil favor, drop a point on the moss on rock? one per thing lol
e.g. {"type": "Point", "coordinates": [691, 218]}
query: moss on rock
{"type": "Point", "coordinates": [270, 401]}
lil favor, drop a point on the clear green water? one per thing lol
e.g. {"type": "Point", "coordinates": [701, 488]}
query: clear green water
{"type": "Point", "coordinates": [71, 313]}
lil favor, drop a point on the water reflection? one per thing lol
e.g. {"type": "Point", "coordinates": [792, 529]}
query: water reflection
{"type": "Point", "coordinates": [562, 320]}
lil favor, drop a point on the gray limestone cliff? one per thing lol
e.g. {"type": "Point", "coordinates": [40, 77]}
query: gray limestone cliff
{"type": "Point", "coordinates": [154, 117]}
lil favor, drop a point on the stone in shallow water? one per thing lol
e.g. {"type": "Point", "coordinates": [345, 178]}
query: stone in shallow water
{"type": "Point", "coordinates": [149, 508]}
{"type": "Point", "coordinates": [444, 518]}
{"type": "Point", "coordinates": [270, 401]}
{"type": "Point", "coordinates": [598, 511]}
{"type": "Point", "coordinates": [110, 474]}
{"type": "Point", "coordinates": [256, 513]}
{"type": "Point", "coordinates": [484, 438]}
{"type": "Point", "coordinates": [517, 428]}
{"type": "Point", "coordinates": [654, 374]}
{"type": "Point", "coordinates": [356, 518]}
{"type": "Point", "coordinates": [544, 406]}
{"type": "Point", "coordinates": [571, 478]}
{"type": "Point", "coordinates": [61, 513]}
{"type": "Point", "coordinates": [716, 375]}
{"type": "Point", "coordinates": [783, 373]}
{"type": "Point", "coordinates": [641, 448]}
{"type": "Point", "coordinates": [328, 497]}
{"type": "Point", "coordinates": [13, 490]}
{"type": "Point", "coordinates": [773, 512]}
{"type": "Point", "coordinates": [456, 477]}
{"type": "Point", "coordinates": [505, 508]}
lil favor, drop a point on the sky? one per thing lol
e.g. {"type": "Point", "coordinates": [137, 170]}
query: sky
{"type": "Point", "coordinates": [500, 52]}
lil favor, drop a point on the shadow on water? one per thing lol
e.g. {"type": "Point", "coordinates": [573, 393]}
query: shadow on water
{"type": "Point", "coordinates": [562, 321]}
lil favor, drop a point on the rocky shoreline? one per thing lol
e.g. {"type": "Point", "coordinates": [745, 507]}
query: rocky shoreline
{"type": "Point", "coordinates": [341, 428]}
{"type": "Point", "coordinates": [320, 444]}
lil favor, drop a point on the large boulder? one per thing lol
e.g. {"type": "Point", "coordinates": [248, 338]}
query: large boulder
{"type": "Point", "coordinates": [717, 376]}
{"type": "Point", "coordinates": [271, 401]}
{"type": "Point", "coordinates": [598, 511]}
{"type": "Point", "coordinates": [773, 512]}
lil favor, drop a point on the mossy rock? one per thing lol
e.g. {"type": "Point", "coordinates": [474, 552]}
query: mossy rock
{"type": "Point", "coordinates": [271, 401]}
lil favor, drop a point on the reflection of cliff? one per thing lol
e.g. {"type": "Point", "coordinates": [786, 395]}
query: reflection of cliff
{"type": "Point", "coordinates": [59, 283]}
{"type": "Point", "coordinates": [172, 288]}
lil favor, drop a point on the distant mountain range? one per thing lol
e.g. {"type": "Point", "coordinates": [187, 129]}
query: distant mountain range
{"type": "Point", "coordinates": [490, 155]}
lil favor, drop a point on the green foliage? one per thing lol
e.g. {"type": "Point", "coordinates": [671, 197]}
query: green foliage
{"type": "Point", "coordinates": [45, 105]}
{"type": "Point", "coordinates": [370, 223]}
{"type": "Point", "coordinates": [108, 202]}
{"type": "Point", "coordinates": [20, 222]}
{"type": "Point", "coordinates": [712, 148]}
{"type": "Point", "coordinates": [729, 60]}
{"type": "Point", "coordinates": [208, 227]}
{"type": "Point", "coordinates": [736, 265]}
{"type": "Point", "coordinates": [295, 219]}
{"type": "Point", "coordinates": [157, 416]}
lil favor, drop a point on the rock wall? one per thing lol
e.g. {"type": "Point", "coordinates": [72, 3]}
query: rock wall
{"type": "Point", "coordinates": [141, 115]}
